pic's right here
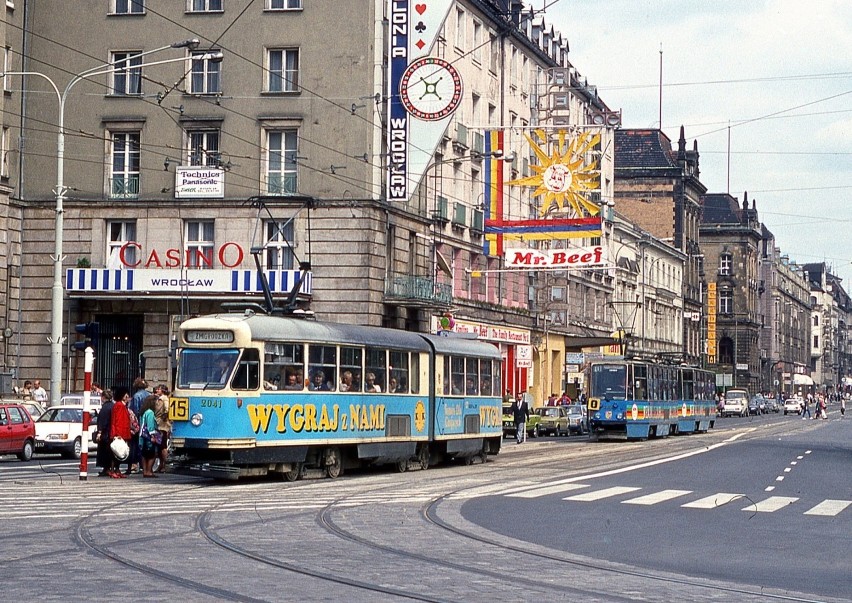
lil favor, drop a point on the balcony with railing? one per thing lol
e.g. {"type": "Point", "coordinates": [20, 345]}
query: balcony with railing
{"type": "Point", "coordinates": [124, 187]}
{"type": "Point", "coordinates": [418, 291]}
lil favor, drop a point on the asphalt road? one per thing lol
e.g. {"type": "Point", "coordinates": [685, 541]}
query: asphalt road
{"type": "Point", "coordinates": [771, 508]}
{"type": "Point", "coordinates": [499, 531]}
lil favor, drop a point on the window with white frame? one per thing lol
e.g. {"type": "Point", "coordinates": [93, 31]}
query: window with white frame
{"type": "Point", "coordinates": [283, 69]}
{"type": "Point", "coordinates": [5, 141]}
{"type": "Point", "coordinates": [283, 4]}
{"type": "Point", "coordinates": [726, 302]}
{"type": "Point", "coordinates": [126, 73]}
{"type": "Point", "coordinates": [198, 244]}
{"type": "Point", "coordinates": [725, 262]}
{"type": "Point", "coordinates": [127, 7]}
{"type": "Point", "coordinates": [205, 76]}
{"type": "Point", "coordinates": [119, 234]}
{"type": "Point", "coordinates": [281, 151]}
{"type": "Point", "coordinates": [204, 6]}
{"type": "Point", "coordinates": [203, 148]}
{"type": "Point", "coordinates": [124, 165]}
{"type": "Point", "coordinates": [279, 245]}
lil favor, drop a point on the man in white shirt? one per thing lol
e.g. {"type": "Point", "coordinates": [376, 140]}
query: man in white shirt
{"type": "Point", "coordinates": [38, 393]}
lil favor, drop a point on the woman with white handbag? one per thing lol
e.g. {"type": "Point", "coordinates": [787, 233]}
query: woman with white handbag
{"type": "Point", "coordinates": [119, 430]}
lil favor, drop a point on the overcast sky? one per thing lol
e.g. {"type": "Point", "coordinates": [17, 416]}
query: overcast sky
{"type": "Point", "coordinates": [779, 72]}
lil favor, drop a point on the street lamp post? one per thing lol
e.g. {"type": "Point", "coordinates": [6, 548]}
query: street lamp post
{"type": "Point", "coordinates": [57, 293]}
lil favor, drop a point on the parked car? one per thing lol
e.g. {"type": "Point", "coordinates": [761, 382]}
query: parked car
{"type": "Point", "coordinates": [17, 430]}
{"type": "Point", "coordinates": [793, 404]}
{"type": "Point", "coordinates": [533, 423]}
{"type": "Point", "coordinates": [34, 408]}
{"type": "Point", "coordinates": [554, 420]}
{"type": "Point", "coordinates": [60, 429]}
{"type": "Point", "coordinates": [756, 405]}
{"type": "Point", "coordinates": [578, 419]}
{"type": "Point", "coordinates": [735, 403]}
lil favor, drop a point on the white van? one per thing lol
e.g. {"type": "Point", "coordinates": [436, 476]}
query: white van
{"type": "Point", "coordinates": [736, 403]}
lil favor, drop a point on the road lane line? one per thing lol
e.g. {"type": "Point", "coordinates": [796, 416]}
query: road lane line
{"type": "Point", "coordinates": [657, 497]}
{"type": "Point", "coordinates": [829, 507]}
{"type": "Point", "coordinates": [771, 504]}
{"type": "Point", "coordinates": [769, 488]}
{"type": "Point", "coordinates": [713, 501]}
{"type": "Point", "coordinates": [600, 494]}
{"type": "Point", "coordinates": [780, 478]}
{"type": "Point", "coordinates": [547, 490]}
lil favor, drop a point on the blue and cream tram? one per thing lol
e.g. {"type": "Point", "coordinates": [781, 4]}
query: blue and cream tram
{"type": "Point", "coordinates": [258, 394]}
{"type": "Point", "coordinates": [642, 399]}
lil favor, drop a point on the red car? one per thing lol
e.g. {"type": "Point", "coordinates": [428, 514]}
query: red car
{"type": "Point", "coordinates": [17, 431]}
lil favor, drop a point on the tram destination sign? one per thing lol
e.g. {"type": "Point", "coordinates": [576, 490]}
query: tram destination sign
{"type": "Point", "coordinates": [209, 336]}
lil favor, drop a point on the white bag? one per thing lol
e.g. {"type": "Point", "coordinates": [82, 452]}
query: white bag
{"type": "Point", "coordinates": [119, 448]}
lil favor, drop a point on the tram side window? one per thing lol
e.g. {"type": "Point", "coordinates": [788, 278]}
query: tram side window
{"type": "Point", "coordinates": [375, 375]}
{"type": "Point", "coordinates": [447, 389]}
{"type": "Point", "coordinates": [247, 375]}
{"type": "Point", "coordinates": [322, 368]}
{"type": "Point", "coordinates": [689, 389]}
{"type": "Point", "coordinates": [471, 383]}
{"type": "Point", "coordinates": [653, 383]}
{"type": "Point", "coordinates": [486, 378]}
{"type": "Point", "coordinates": [456, 376]}
{"type": "Point", "coordinates": [284, 366]}
{"type": "Point", "coordinates": [414, 380]}
{"type": "Point", "coordinates": [640, 382]}
{"type": "Point", "coordinates": [351, 367]}
{"type": "Point", "coordinates": [399, 381]}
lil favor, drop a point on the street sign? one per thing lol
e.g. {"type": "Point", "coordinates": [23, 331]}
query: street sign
{"type": "Point", "coordinates": [742, 367]}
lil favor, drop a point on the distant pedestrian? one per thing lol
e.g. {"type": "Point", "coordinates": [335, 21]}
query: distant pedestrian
{"type": "Point", "coordinates": [119, 423]}
{"type": "Point", "coordinates": [149, 436]}
{"type": "Point", "coordinates": [842, 407]}
{"type": "Point", "coordinates": [38, 393]}
{"type": "Point", "coordinates": [807, 406]}
{"type": "Point", "coordinates": [164, 425]}
{"type": "Point", "coordinates": [104, 458]}
{"type": "Point", "coordinates": [822, 409]}
{"type": "Point", "coordinates": [140, 393]}
{"type": "Point", "coordinates": [521, 411]}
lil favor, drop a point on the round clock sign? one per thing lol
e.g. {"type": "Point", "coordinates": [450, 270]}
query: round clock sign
{"type": "Point", "coordinates": [430, 88]}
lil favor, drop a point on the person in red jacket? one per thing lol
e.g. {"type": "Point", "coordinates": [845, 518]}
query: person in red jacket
{"type": "Point", "coordinates": [120, 424]}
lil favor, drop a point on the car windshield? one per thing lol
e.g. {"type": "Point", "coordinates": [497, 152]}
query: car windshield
{"type": "Point", "coordinates": [548, 412]}
{"type": "Point", "coordinates": [575, 411]}
{"type": "Point", "coordinates": [62, 415]}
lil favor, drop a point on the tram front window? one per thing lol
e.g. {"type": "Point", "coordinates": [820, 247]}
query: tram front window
{"type": "Point", "coordinates": [609, 381]}
{"type": "Point", "coordinates": [203, 369]}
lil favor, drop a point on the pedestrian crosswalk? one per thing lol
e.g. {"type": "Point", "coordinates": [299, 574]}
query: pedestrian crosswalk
{"type": "Point", "coordinates": [585, 493]}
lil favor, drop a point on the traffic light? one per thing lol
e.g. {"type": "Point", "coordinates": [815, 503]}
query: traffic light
{"type": "Point", "coordinates": [89, 331]}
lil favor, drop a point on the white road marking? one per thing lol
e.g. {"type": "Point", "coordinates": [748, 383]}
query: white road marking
{"type": "Point", "coordinates": [712, 501]}
{"type": "Point", "coordinates": [657, 497]}
{"type": "Point", "coordinates": [600, 494]}
{"type": "Point", "coordinates": [771, 504]}
{"type": "Point", "coordinates": [829, 507]}
{"type": "Point", "coordinates": [547, 490]}
{"type": "Point", "coordinates": [780, 478]}
{"type": "Point", "coordinates": [769, 488]}
{"type": "Point", "coordinates": [787, 469]}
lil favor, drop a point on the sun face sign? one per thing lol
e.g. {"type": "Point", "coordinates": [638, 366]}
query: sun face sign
{"type": "Point", "coordinates": [564, 178]}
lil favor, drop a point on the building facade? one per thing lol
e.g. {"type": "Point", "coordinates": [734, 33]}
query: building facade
{"type": "Point", "coordinates": [659, 188]}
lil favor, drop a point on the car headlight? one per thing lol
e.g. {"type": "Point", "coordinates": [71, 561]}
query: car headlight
{"type": "Point", "coordinates": [196, 419]}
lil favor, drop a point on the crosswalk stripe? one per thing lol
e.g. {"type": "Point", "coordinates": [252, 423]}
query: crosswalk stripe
{"type": "Point", "coordinates": [599, 494]}
{"type": "Point", "coordinates": [657, 497]}
{"type": "Point", "coordinates": [829, 507]}
{"type": "Point", "coordinates": [547, 490]}
{"type": "Point", "coordinates": [771, 504]}
{"type": "Point", "coordinates": [712, 501]}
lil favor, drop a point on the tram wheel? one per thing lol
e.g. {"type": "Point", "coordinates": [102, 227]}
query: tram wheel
{"type": "Point", "coordinates": [333, 463]}
{"type": "Point", "coordinates": [423, 456]}
{"type": "Point", "coordinates": [402, 466]}
{"type": "Point", "coordinates": [294, 473]}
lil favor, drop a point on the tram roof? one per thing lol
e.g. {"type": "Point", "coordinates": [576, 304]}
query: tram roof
{"type": "Point", "coordinates": [283, 328]}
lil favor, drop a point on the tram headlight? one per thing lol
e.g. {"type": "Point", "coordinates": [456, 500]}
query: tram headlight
{"type": "Point", "coordinates": [196, 419]}
{"type": "Point", "coordinates": [619, 416]}
{"type": "Point", "coordinates": [597, 415]}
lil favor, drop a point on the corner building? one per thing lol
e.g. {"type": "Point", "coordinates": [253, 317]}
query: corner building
{"type": "Point", "coordinates": [178, 164]}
